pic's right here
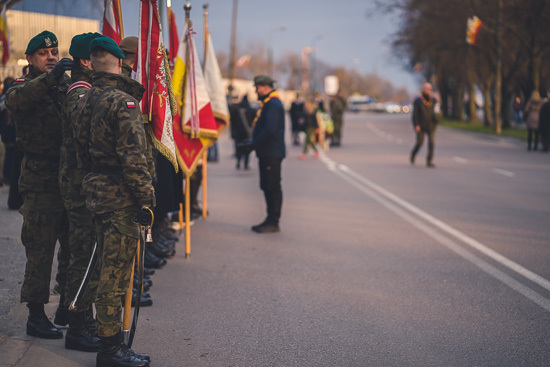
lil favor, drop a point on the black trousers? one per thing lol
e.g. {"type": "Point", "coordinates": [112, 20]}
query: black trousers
{"type": "Point", "coordinates": [420, 141]}
{"type": "Point", "coordinates": [270, 183]}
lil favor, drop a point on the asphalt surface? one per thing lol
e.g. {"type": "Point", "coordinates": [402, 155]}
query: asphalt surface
{"type": "Point", "coordinates": [378, 263]}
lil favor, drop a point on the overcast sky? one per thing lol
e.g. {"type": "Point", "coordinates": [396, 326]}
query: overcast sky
{"type": "Point", "coordinates": [345, 35]}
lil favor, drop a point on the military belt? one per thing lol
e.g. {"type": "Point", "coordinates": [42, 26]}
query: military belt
{"type": "Point", "coordinates": [41, 157]}
{"type": "Point", "coordinates": [108, 170]}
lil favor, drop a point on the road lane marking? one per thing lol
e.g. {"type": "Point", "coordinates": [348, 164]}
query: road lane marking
{"type": "Point", "coordinates": [503, 172]}
{"type": "Point", "coordinates": [460, 160]}
{"type": "Point", "coordinates": [398, 206]}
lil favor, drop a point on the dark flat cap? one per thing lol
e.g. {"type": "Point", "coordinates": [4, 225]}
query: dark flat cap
{"type": "Point", "coordinates": [263, 80]}
{"type": "Point", "coordinates": [107, 44]}
{"type": "Point", "coordinates": [45, 39]}
{"type": "Point", "coordinates": [80, 45]}
{"type": "Point", "coordinates": [129, 45]}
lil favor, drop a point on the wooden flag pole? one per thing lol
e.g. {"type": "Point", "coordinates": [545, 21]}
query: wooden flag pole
{"type": "Point", "coordinates": [187, 217]}
{"type": "Point", "coordinates": [204, 182]}
{"type": "Point", "coordinates": [180, 216]}
{"type": "Point", "coordinates": [128, 301]}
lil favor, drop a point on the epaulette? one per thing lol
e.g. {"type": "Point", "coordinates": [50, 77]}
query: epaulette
{"type": "Point", "coordinates": [79, 84]}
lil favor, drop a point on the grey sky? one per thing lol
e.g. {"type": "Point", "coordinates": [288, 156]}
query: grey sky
{"type": "Point", "coordinates": [347, 33]}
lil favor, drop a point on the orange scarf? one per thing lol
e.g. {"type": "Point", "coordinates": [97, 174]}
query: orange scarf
{"type": "Point", "coordinates": [270, 96]}
{"type": "Point", "coordinates": [426, 102]}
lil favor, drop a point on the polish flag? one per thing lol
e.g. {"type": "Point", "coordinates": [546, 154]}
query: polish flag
{"type": "Point", "coordinates": [112, 21]}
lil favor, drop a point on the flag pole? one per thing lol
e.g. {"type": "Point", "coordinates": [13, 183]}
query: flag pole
{"type": "Point", "coordinates": [205, 154]}
{"type": "Point", "coordinates": [187, 8]}
{"type": "Point", "coordinates": [128, 302]}
{"type": "Point", "coordinates": [119, 11]}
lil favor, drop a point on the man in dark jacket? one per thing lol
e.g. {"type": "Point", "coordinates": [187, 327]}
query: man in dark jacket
{"type": "Point", "coordinates": [544, 124]}
{"type": "Point", "coordinates": [424, 121]}
{"type": "Point", "coordinates": [268, 139]}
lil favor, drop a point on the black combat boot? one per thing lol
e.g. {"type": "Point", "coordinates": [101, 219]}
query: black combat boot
{"type": "Point", "coordinates": [91, 323]}
{"type": "Point", "coordinates": [39, 325]}
{"type": "Point", "coordinates": [62, 313]}
{"type": "Point", "coordinates": [79, 336]}
{"type": "Point", "coordinates": [112, 353]}
{"type": "Point", "coordinates": [267, 226]}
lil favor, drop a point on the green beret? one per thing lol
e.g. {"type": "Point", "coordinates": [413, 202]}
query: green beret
{"type": "Point", "coordinates": [80, 45]}
{"type": "Point", "coordinates": [263, 80]}
{"type": "Point", "coordinates": [107, 44]}
{"type": "Point", "coordinates": [46, 39]}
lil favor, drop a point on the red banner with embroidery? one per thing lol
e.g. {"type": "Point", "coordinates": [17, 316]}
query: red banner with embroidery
{"type": "Point", "coordinates": [152, 71]}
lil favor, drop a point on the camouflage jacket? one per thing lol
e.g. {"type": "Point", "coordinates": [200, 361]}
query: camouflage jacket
{"type": "Point", "coordinates": [70, 176]}
{"type": "Point", "coordinates": [126, 70]}
{"type": "Point", "coordinates": [111, 145]}
{"type": "Point", "coordinates": [35, 103]}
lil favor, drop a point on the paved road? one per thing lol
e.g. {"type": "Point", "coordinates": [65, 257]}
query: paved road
{"type": "Point", "coordinates": [378, 263]}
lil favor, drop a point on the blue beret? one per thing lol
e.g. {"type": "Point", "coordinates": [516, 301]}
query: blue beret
{"type": "Point", "coordinates": [46, 39]}
{"type": "Point", "coordinates": [80, 45]}
{"type": "Point", "coordinates": [107, 44]}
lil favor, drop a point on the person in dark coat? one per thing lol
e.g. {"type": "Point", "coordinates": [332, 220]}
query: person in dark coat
{"type": "Point", "coordinates": [242, 115]}
{"type": "Point", "coordinates": [268, 140]}
{"type": "Point", "coordinates": [424, 121]}
{"type": "Point", "coordinates": [297, 113]}
{"type": "Point", "coordinates": [544, 123]}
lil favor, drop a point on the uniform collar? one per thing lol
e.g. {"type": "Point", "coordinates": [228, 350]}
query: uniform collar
{"type": "Point", "coordinates": [105, 80]}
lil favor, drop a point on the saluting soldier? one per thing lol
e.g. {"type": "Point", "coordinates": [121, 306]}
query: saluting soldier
{"type": "Point", "coordinates": [82, 236]}
{"type": "Point", "coordinates": [35, 102]}
{"type": "Point", "coordinates": [111, 147]}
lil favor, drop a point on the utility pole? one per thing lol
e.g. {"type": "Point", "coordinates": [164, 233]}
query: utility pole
{"type": "Point", "coordinates": [233, 47]}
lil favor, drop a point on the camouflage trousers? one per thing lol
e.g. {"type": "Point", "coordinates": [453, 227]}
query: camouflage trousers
{"type": "Point", "coordinates": [44, 223]}
{"type": "Point", "coordinates": [82, 239]}
{"type": "Point", "coordinates": [117, 240]}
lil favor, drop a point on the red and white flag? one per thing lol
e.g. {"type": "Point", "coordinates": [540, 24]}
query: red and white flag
{"type": "Point", "coordinates": [173, 34]}
{"type": "Point", "coordinates": [4, 39]}
{"type": "Point", "coordinates": [198, 130]}
{"type": "Point", "coordinates": [214, 86]}
{"type": "Point", "coordinates": [112, 21]}
{"type": "Point", "coordinates": [152, 71]}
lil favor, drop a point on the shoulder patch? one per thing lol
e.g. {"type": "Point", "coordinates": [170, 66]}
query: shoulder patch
{"type": "Point", "coordinates": [130, 104]}
{"type": "Point", "coordinates": [81, 95]}
{"type": "Point", "coordinates": [20, 80]}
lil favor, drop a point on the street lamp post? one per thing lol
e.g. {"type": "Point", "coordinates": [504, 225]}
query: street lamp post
{"type": "Point", "coordinates": [313, 60]}
{"type": "Point", "coordinates": [232, 47]}
{"type": "Point", "coordinates": [270, 47]}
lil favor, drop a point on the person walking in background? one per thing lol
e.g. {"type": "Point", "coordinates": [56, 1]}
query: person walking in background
{"type": "Point", "coordinates": [424, 119]}
{"type": "Point", "coordinates": [241, 130]}
{"type": "Point", "coordinates": [337, 108]}
{"type": "Point", "coordinates": [531, 117]}
{"type": "Point", "coordinates": [268, 140]}
{"type": "Point", "coordinates": [544, 123]}
{"type": "Point", "coordinates": [310, 125]}
{"type": "Point", "coordinates": [518, 107]}
{"type": "Point", "coordinates": [297, 111]}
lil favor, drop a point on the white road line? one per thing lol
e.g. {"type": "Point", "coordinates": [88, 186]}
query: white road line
{"type": "Point", "coordinates": [398, 205]}
{"type": "Point", "coordinates": [503, 172]}
{"type": "Point", "coordinates": [460, 160]}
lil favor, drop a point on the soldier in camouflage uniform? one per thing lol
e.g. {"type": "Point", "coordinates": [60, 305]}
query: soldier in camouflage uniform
{"type": "Point", "coordinates": [35, 102]}
{"type": "Point", "coordinates": [111, 146]}
{"type": "Point", "coordinates": [129, 46]}
{"type": "Point", "coordinates": [82, 236]}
